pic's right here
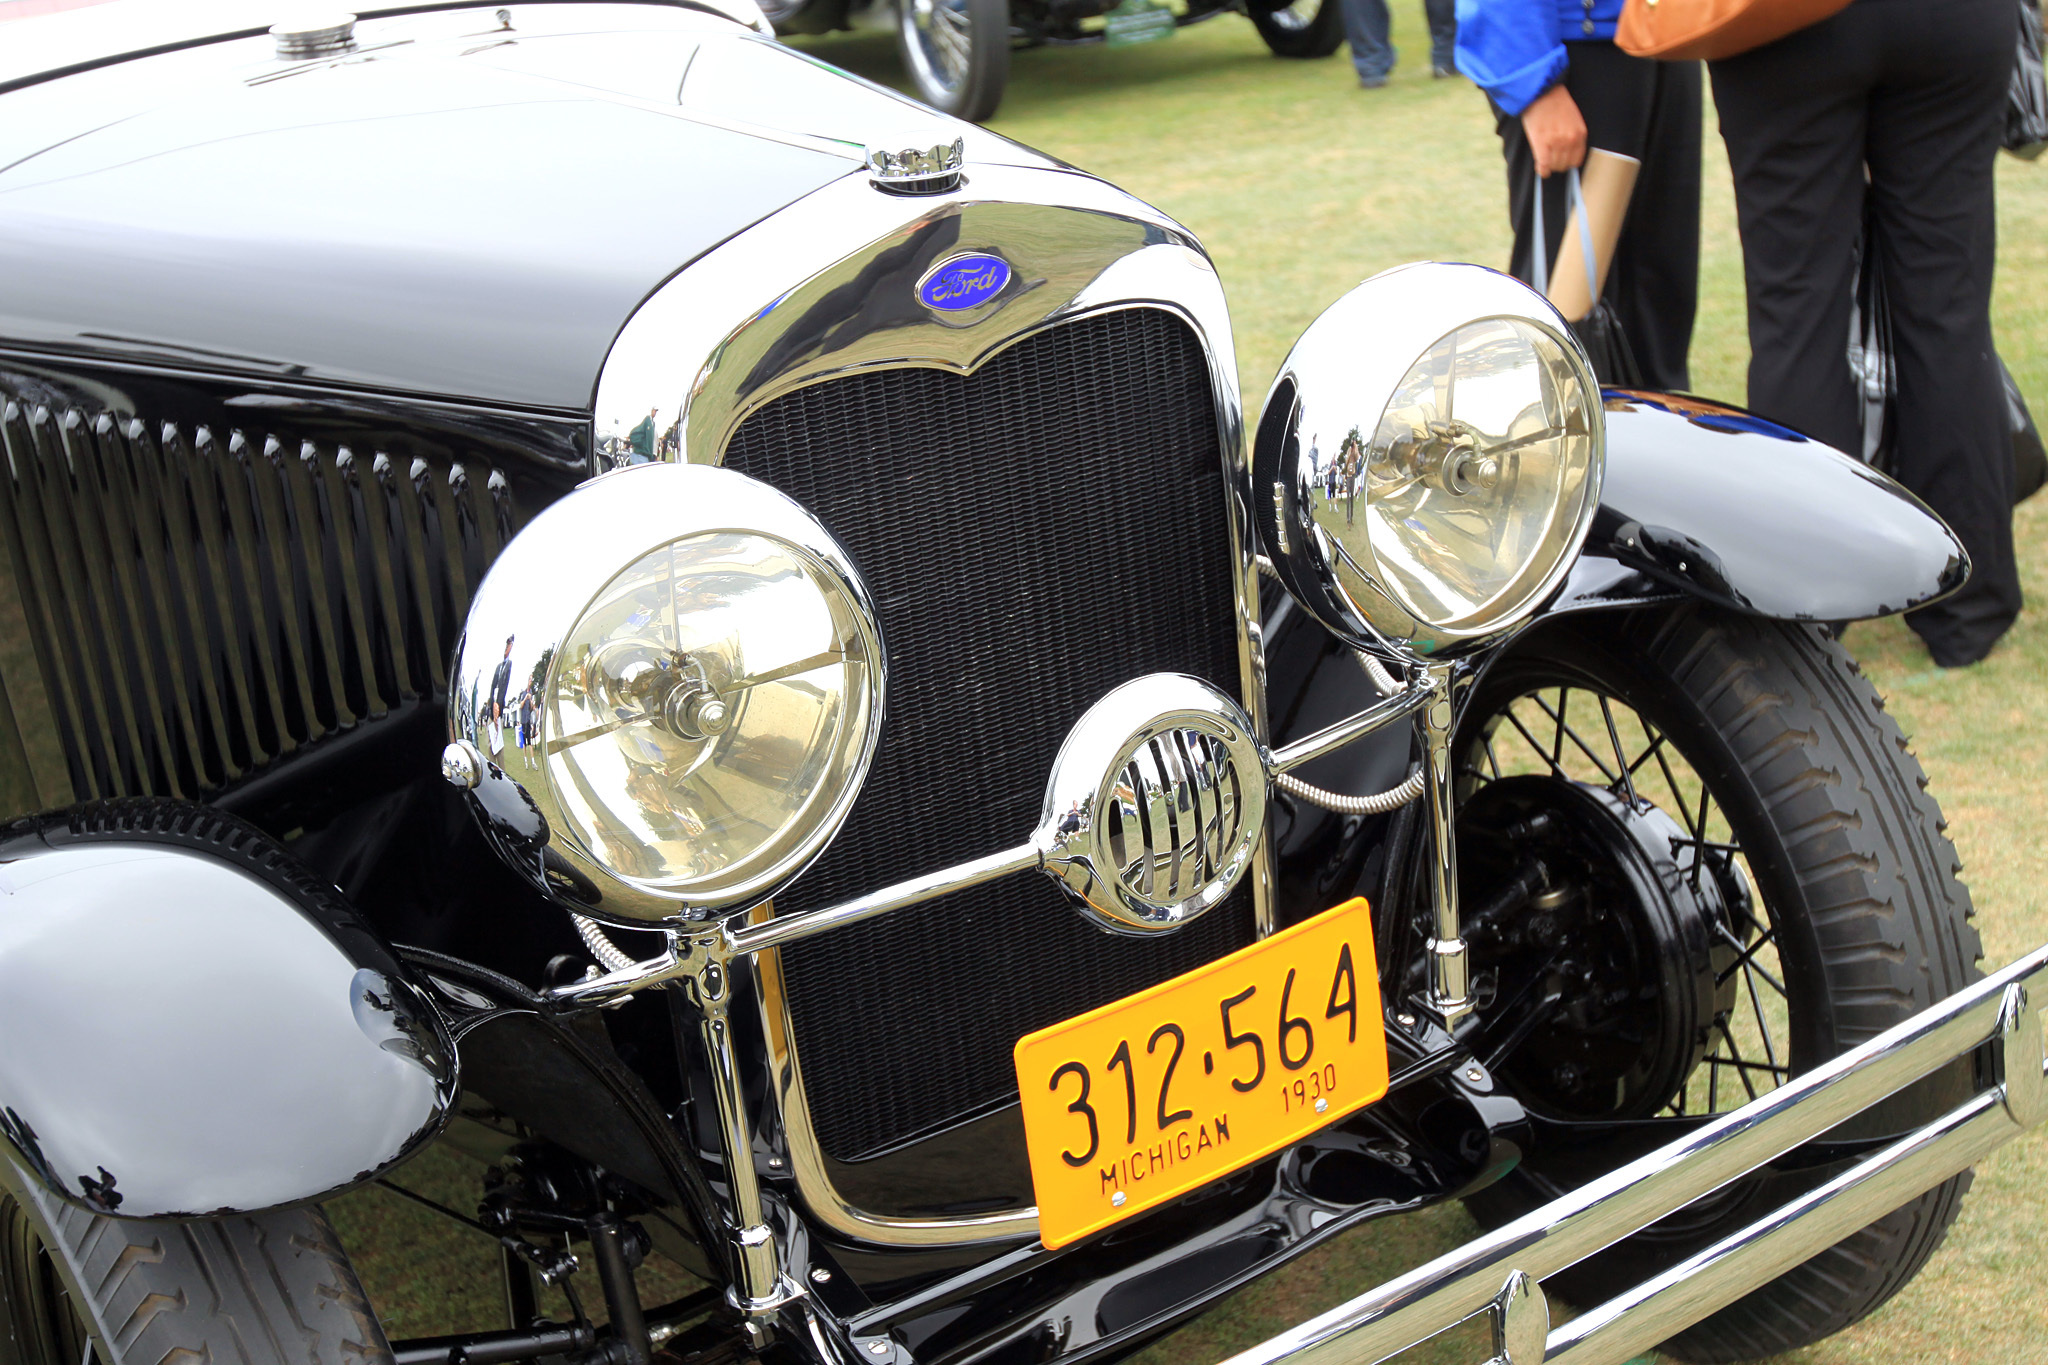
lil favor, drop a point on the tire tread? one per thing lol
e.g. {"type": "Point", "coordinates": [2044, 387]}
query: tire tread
{"type": "Point", "coordinates": [1855, 803]}
{"type": "Point", "coordinates": [1862, 880]}
{"type": "Point", "coordinates": [274, 1288]}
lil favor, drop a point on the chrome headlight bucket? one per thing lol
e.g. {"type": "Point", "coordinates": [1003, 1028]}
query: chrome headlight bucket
{"type": "Point", "coordinates": [1430, 458]}
{"type": "Point", "coordinates": [667, 694]}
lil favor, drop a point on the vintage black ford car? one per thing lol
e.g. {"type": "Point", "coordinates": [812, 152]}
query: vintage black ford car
{"type": "Point", "coordinates": [577, 586]}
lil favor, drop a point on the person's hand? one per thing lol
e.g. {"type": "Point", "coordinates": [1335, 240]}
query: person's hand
{"type": "Point", "coordinates": [1556, 131]}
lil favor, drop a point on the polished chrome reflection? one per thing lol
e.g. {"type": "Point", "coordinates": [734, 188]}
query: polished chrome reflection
{"type": "Point", "coordinates": [707, 700]}
{"type": "Point", "coordinates": [1432, 457]}
{"type": "Point", "coordinates": [1483, 449]}
{"type": "Point", "coordinates": [1155, 803]}
{"type": "Point", "coordinates": [1152, 815]}
{"type": "Point", "coordinates": [924, 167]}
{"type": "Point", "coordinates": [682, 710]}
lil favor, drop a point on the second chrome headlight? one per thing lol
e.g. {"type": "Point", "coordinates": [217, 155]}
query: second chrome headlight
{"type": "Point", "coordinates": [687, 698]}
{"type": "Point", "coordinates": [1430, 458]}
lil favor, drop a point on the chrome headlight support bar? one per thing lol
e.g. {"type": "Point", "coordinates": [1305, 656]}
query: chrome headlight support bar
{"type": "Point", "coordinates": [1425, 693]}
{"type": "Point", "coordinates": [1450, 994]}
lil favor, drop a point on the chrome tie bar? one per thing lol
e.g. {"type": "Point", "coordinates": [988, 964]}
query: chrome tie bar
{"type": "Point", "coordinates": [1426, 693]}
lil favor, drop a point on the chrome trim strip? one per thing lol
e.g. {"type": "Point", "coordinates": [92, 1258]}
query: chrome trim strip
{"type": "Point", "coordinates": [773, 933]}
{"type": "Point", "coordinates": [784, 305]}
{"type": "Point", "coordinates": [807, 1158]}
{"type": "Point", "coordinates": [1467, 1281]}
{"type": "Point", "coordinates": [1414, 697]}
{"type": "Point", "coordinates": [1048, 850]}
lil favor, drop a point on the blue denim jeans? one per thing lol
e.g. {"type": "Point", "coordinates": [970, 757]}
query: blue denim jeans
{"type": "Point", "coordinates": [1367, 27]}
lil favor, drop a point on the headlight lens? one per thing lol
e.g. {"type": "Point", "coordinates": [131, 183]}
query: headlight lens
{"type": "Point", "coordinates": [689, 693]}
{"type": "Point", "coordinates": [1484, 447]}
{"type": "Point", "coordinates": [712, 699]}
{"type": "Point", "coordinates": [1431, 483]}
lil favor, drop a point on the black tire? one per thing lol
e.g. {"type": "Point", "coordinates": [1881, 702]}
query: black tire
{"type": "Point", "coordinates": [1846, 855]}
{"type": "Point", "coordinates": [264, 1289]}
{"type": "Point", "coordinates": [956, 53]}
{"type": "Point", "coordinates": [1304, 29]}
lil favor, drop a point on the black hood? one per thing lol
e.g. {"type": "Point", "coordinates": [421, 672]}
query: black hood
{"type": "Point", "coordinates": [455, 209]}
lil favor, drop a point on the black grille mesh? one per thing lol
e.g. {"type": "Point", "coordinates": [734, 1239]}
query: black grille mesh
{"type": "Point", "coordinates": [204, 602]}
{"type": "Point", "coordinates": [1033, 535]}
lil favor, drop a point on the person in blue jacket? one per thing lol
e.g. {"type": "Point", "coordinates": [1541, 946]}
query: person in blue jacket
{"type": "Point", "coordinates": [1558, 85]}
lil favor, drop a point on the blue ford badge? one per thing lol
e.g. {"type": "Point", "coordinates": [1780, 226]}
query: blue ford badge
{"type": "Point", "coordinates": [963, 281]}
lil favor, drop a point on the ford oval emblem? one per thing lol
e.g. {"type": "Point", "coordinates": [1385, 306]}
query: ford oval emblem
{"type": "Point", "coordinates": [965, 281]}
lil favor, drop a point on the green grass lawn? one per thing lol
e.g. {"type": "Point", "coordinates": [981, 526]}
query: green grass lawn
{"type": "Point", "coordinates": [1301, 185]}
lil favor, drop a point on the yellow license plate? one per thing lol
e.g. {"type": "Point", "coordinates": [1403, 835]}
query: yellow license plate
{"type": "Point", "coordinates": [1129, 1105]}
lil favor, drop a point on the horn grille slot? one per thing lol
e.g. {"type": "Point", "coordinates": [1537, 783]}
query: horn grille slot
{"type": "Point", "coordinates": [1174, 813]}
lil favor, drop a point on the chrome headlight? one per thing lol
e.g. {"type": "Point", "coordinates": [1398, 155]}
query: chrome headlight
{"type": "Point", "coordinates": [667, 693]}
{"type": "Point", "coordinates": [1430, 458]}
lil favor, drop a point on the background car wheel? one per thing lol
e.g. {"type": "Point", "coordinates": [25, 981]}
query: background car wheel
{"type": "Point", "coordinates": [957, 53]}
{"type": "Point", "coordinates": [1702, 860]}
{"type": "Point", "coordinates": [1306, 28]}
{"type": "Point", "coordinates": [264, 1289]}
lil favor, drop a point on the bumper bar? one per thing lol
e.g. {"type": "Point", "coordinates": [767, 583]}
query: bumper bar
{"type": "Point", "coordinates": [1498, 1272]}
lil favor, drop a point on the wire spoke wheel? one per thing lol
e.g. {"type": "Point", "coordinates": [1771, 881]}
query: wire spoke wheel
{"type": "Point", "coordinates": [1583, 736]}
{"type": "Point", "coordinates": [1697, 859]}
{"type": "Point", "coordinates": [1298, 17]}
{"type": "Point", "coordinates": [957, 53]}
{"type": "Point", "coordinates": [1300, 28]}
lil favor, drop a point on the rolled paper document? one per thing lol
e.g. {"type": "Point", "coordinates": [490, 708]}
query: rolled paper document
{"type": "Point", "coordinates": [1607, 181]}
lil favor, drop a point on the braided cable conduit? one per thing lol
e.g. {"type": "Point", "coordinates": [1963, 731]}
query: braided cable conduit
{"type": "Point", "coordinates": [606, 952]}
{"type": "Point", "coordinates": [612, 959]}
{"type": "Point", "coordinates": [1378, 803]}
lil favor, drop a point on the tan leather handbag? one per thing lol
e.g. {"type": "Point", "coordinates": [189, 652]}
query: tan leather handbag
{"type": "Point", "coordinates": [1690, 30]}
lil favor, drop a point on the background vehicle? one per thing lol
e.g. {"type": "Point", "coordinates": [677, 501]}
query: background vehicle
{"type": "Point", "coordinates": [250, 507]}
{"type": "Point", "coordinates": [957, 52]}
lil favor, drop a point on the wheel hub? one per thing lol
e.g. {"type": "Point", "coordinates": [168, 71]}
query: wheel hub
{"type": "Point", "coordinates": [1600, 937]}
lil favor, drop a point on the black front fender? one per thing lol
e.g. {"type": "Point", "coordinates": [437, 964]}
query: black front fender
{"type": "Point", "coordinates": [1707, 501]}
{"type": "Point", "coordinates": [190, 1024]}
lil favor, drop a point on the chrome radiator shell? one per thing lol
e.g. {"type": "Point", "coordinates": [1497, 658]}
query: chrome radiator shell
{"type": "Point", "coordinates": [784, 306]}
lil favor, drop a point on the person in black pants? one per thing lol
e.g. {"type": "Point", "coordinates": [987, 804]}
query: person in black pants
{"type": "Point", "coordinates": [1894, 105]}
{"type": "Point", "coordinates": [1558, 85]}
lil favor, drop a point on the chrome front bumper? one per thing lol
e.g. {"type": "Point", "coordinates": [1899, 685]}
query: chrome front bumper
{"type": "Point", "coordinates": [1498, 1273]}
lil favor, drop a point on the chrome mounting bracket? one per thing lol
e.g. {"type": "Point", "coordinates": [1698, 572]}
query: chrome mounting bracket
{"type": "Point", "coordinates": [1521, 1322]}
{"type": "Point", "coordinates": [703, 967]}
{"type": "Point", "coordinates": [1450, 973]}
